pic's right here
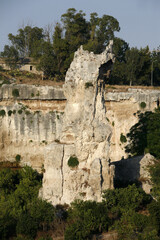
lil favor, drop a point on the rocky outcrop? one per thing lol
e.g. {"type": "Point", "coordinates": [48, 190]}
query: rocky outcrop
{"type": "Point", "coordinates": [145, 178]}
{"type": "Point", "coordinates": [85, 134]}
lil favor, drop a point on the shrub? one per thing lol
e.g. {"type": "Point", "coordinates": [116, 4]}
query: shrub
{"type": "Point", "coordinates": [88, 84]}
{"type": "Point", "coordinates": [2, 113]}
{"type": "Point", "coordinates": [15, 92]}
{"type": "Point", "coordinates": [27, 112]}
{"type": "Point", "coordinates": [18, 158]}
{"type": "Point", "coordinates": [20, 111]}
{"type": "Point", "coordinates": [142, 105]}
{"type": "Point", "coordinates": [136, 226]}
{"type": "Point", "coordinates": [9, 112]}
{"type": "Point", "coordinates": [26, 225]}
{"type": "Point", "coordinates": [86, 218]}
{"type": "Point", "coordinates": [123, 138]}
{"type": "Point", "coordinates": [73, 161]}
{"type": "Point", "coordinates": [32, 94]}
{"type": "Point", "coordinates": [123, 199]}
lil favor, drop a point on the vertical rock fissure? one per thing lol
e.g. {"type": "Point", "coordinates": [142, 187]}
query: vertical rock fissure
{"type": "Point", "coordinates": [95, 100]}
{"type": "Point", "coordinates": [101, 175]}
{"type": "Point", "coordinates": [62, 171]}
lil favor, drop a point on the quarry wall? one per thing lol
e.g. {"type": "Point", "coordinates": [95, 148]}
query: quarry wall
{"type": "Point", "coordinates": [33, 119]}
{"type": "Point", "coordinates": [30, 119]}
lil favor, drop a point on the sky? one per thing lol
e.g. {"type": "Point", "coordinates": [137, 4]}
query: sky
{"type": "Point", "coordinates": [138, 19]}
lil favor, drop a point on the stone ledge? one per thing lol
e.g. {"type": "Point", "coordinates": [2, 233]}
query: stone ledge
{"type": "Point", "coordinates": [31, 92]}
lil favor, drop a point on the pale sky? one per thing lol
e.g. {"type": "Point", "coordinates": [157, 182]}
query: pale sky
{"type": "Point", "coordinates": [139, 19]}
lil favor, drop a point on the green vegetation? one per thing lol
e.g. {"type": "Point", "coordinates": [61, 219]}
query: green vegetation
{"type": "Point", "coordinates": [18, 158]}
{"type": "Point", "coordinates": [88, 84]}
{"type": "Point", "coordinates": [2, 113]}
{"type": "Point", "coordinates": [10, 113]}
{"type": "Point", "coordinates": [129, 211]}
{"type": "Point", "coordinates": [86, 218]}
{"type": "Point", "coordinates": [145, 134]}
{"type": "Point", "coordinates": [53, 49]}
{"type": "Point", "coordinates": [15, 92]}
{"type": "Point", "coordinates": [54, 56]}
{"type": "Point", "coordinates": [11, 56]}
{"type": "Point", "coordinates": [27, 112]}
{"type": "Point", "coordinates": [73, 161]}
{"type": "Point", "coordinates": [20, 111]}
{"type": "Point", "coordinates": [142, 105]}
{"type": "Point", "coordinates": [123, 138]}
{"type": "Point", "coordinates": [22, 212]}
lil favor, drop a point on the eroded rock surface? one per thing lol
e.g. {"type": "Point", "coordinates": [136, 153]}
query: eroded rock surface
{"type": "Point", "coordinates": [85, 134]}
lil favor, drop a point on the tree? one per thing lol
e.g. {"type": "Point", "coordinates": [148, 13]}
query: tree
{"type": "Point", "coordinates": [76, 28]}
{"type": "Point", "coordinates": [145, 135]}
{"type": "Point", "coordinates": [47, 60]}
{"type": "Point", "coordinates": [22, 212]}
{"type": "Point", "coordinates": [24, 41]}
{"type": "Point", "coordinates": [60, 48]}
{"type": "Point", "coordinates": [133, 65]}
{"type": "Point", "coordinates": [118, 74]}
{"type": "Point", "coordinates": [155, 67]}
{"type": "Point", "coordinates": [136, 226]}
{"type": "Point", "coordinates": [101, 31]}
{"type": "Point", "coordinates": [86, 218]}
{"type": "Point", "coordinates": [11, 56]}
{"type": "Point", "coordinates": [105, 32]}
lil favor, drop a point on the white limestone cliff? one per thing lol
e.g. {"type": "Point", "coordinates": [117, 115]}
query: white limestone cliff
{"type": "Point", "coordinates": [85, 134]}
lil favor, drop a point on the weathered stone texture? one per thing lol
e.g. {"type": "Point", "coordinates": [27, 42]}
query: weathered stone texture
{"type": "Point", "coordinates": [31, 92]}
{"type": "Point", "coordinates": [85, 132]}
{"type": "Point", "coordinates": [26, 132]}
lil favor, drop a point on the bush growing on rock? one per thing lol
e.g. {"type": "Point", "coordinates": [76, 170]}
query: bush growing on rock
{"type": "Point", "coordinates": [15, 92]}
{"type": "Point", "coordinates": [18, 158]}
{"type": "Point", "coordinates": [2, 113]}
{"type": "Point", "coordinates": [142, 105]}
{"type": "Point", "coordinates": [73, 161]}
{"type": "Point", "coordinates": [123, 138]}
{"type": "Point", "coordinates": [88, 84]}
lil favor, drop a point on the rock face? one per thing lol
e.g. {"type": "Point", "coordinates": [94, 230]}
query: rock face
{"type": "Point", "coordinates": [134, 169]}
{"type": "Point", "coordinates": [85, 134]}
{"type": "Point", "coordinates": [33, 119]}
{"type": "Point", "coordinates": [145, 177]}
{"type": "Point", "coordinates": [29, 121]}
